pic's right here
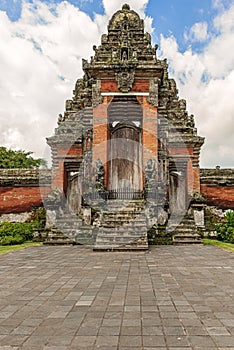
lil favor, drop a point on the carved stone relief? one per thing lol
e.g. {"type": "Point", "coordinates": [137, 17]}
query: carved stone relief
{"type": "Point", "coordinates": [125, 80]}
{"type": "Point", "coordinates": [97, 97]}
{"type": "Point", "coordinates": [153, 92]}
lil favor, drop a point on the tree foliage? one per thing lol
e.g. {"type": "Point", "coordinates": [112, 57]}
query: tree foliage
{"type": "Point", "coordinates": [19, 159]}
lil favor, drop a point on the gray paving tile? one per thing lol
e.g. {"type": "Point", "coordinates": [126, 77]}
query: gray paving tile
{"type": "Point", "coordinates": [154, 341]}
{"type": "Point", "coordinates": [106, 340]}
{"type": "Point", "coordinates": [130, 341]}
{"type": "Point", "coordinates": [172, 298]}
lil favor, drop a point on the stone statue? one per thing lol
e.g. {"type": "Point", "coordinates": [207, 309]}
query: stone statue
{"type": "Point", "coordinates": [60, 119]}
{"type": "Point", "coordinates": [190, 122]}
{"type": "Point", "coordinates": [150, 169]}
{"type": "Point", "coordinates": [99, 172]}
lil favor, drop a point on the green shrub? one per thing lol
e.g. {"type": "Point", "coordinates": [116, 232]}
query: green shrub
{"type": "Point", "coordinates": [15, 232]}
{"type": "Point", "coordinates": [38, 218]}
{"type": "Point", "coordinates": [230, 234]}
{"type": "Point", "coordinates": [230, 218]}
{"type": "Point", "coordinates": [12, 240]}
{"type": "Point", "coordinates": [225, 230]}
{"type": "Point", "coordinates": [18, 232]}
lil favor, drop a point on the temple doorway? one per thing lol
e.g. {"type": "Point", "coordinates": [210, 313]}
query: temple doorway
{"type": "Point", "coordinates": [125, 145]}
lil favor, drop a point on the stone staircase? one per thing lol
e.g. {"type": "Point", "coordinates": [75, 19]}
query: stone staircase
{"type": "Point", "coordinates": [70, 230]}
{"type": "Point", "coordinates": [183, 230]}
{"type": "Point", "coordinates": [56, 237]}
{"type": "Point", "coordinates": [123, 226]}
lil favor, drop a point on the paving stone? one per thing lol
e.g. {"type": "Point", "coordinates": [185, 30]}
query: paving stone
{"type": "Point", "coordinates": [196, 331]}
{"type": "Point", "coordinates": [13, 340]}
{"type": "Point", "coordinates": [131, 322]}
{"type": "Point", "coordinates": [201, 341]}
{"type": "Point", "coordinates": [174, 331]}
{"type": "Point", "coordinates": [104, 340]}
{"type": "Point", "coordinates": [223, 340]}
{"type": "Point", "coordinates": [171, 298]}
{"type": "Point", "coordinates": [83, 341]}
{"type": "Point", "coordinates": [152, 330]}
{"type": "Point", "coordinates": [130, 341]}
{"type": "Point", "coordinates": [115, 330]}
{"type": "Point", "coordinates": [153, 341]}
{"type": "Point", "coordinates": [177, 341]}
{"type": "Point", "coordinates": [217, 331]}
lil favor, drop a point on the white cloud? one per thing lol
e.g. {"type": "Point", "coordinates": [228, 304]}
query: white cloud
{"type": "Point", "coordinates": [114, 5]}
{"type": "Point", "coordinates": [221, 4]}
{"type": "Point", "coordinates": [206, 81]}
{"type": "Point", "coordinates": [111, 7]}
{"type": "Point", "coordinates": [35, 52]}
{"type": "Point", "coordinates": [198, 32]}
{"type": "Point", "coordinates": [40, 60]}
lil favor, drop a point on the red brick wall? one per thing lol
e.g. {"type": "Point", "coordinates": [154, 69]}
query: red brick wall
{"type": "Point", "coordinates": [100, 134]}
{"type": "Point", "coordinates": [58, 176]}
{"type": "Point", "coordinates": [21, 199]}
{"type": "Point", "coordinates": [149, 132]}
{"type": "Point", "coordinates": [220, 196]}
{"type": "Point", "coordinates": [138, 86]}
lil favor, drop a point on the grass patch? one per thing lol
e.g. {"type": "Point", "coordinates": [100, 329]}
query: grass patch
{"type": "Point", "coordinates": [12, 248]}
{"type": "Point", "coordinates": [226, 246]}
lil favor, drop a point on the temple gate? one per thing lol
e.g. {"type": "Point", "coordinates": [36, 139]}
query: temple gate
{"type": "Point", "coordinates": [125, 149]}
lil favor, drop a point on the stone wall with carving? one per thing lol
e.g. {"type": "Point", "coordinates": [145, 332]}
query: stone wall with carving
{"type": "Point", "coordinates": [21, 190]}
{"type": "Point", "coordinates": [217, 187]}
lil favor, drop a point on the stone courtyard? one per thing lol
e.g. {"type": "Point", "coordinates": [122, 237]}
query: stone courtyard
{"type": "Point", "coordinates": [71, 298]}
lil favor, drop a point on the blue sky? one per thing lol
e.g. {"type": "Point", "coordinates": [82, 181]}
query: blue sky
{"type": "Point", "coordinates": [42, 41]}
{"type": "Point", "coordinates": [169, 16]}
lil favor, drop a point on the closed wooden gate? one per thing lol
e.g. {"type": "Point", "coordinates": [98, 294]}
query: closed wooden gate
{"type": "Point", "coordinates": [125, 145]}
{"type": "Point", "coordinates": [125, 158]}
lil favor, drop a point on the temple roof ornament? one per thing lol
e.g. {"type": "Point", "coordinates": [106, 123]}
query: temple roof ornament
{"type": "Point", "coordinates": [126, 39]}
{"type": "Point", "coordinates": [125, 19]}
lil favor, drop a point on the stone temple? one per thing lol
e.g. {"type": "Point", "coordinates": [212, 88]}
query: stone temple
{"type": "Point", "coordinates": [125, 153]}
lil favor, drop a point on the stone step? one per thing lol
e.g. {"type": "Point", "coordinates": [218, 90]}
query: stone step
{"type": "Point", "coordinates": [120, 248]}
{"type": "Point", "coordinates": [123, 206]}
{"type": "Point", "coordinates": [125, 227]}
{"type": "Point", "coordinates": [68, 218]}
{"type": "Point", "coordinates": [183, 222]}
{"type": "Point", "coordinates": [72, 234]}
{"type": "Point", "coordinates": [187, 241]}
{"type": "Point", "coordinates": [123, 213]}
{"type": "Point", "coordinates": [122, 223]}
{"type": "Point", "coordinates": [108, 232]}
{"type": "Point", "coordinates": [58, 242]}
{"type": "Point", "coordinates": [68, 227]}
{"type": "Point", "coordinates": [183, 232]}
{"type": "Point", "coordinates": [58, 238]}
{"type": "Point", "coordinates": [186, 234]}
{"type": "Point", "coordinates": [116, 239]}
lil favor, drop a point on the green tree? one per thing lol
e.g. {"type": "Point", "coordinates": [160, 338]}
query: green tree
{"type": "Point", "coordinates": [19, 159]}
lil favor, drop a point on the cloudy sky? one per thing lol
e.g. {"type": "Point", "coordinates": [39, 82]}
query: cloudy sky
{"type": "Point", "coordinates": [42, 43]}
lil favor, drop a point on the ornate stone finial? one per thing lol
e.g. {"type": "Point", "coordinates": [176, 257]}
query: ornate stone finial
{"type": "Point", "coordinates": [126, 7]}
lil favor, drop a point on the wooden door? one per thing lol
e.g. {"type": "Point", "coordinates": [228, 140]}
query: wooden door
{"type": "Point", "coordinates": [125, 158]}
